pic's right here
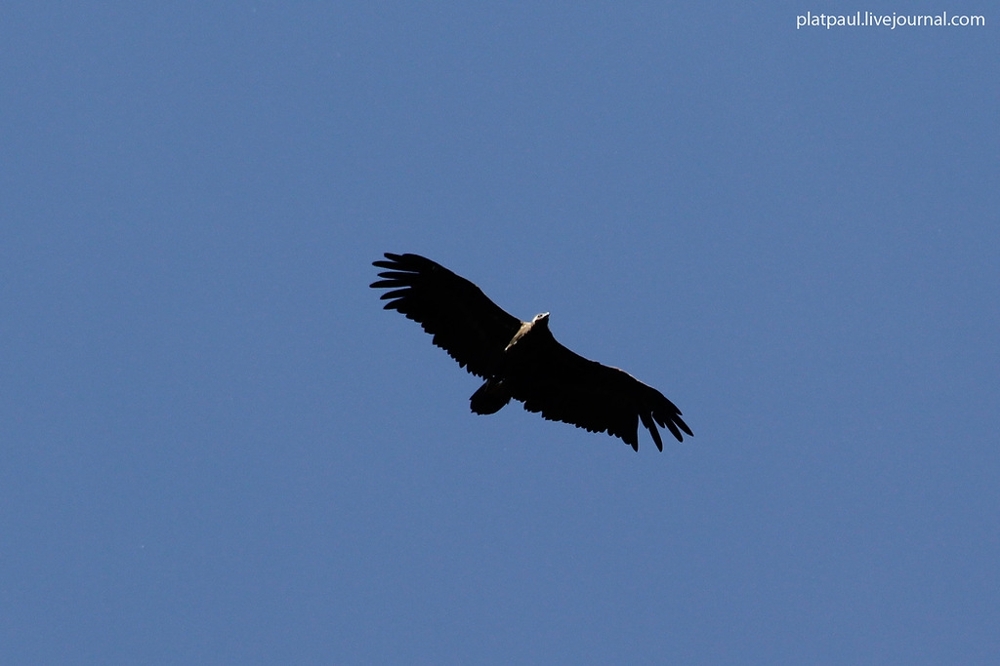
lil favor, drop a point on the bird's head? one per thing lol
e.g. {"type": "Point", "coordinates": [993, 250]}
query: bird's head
{"type": "Point", "coordinates": [541, 319]}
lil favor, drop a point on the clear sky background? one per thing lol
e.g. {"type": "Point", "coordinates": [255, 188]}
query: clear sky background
{"type": "Point", "coordinates": [217, 448]}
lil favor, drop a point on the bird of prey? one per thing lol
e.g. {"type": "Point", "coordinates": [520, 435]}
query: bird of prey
{"type": "Point", "coordinates": [521, 360]}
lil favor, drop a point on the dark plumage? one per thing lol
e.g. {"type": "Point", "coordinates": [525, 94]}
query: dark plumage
{"type": "Point", "coordinates": [522, 360]}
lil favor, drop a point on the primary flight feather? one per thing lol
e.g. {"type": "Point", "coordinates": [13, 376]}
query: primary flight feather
{"type": "Point", "coordinates": [521, 360]}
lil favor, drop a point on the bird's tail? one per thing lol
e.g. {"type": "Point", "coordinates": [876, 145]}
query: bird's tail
{"type": "Point", "coordinates": [491, 397]}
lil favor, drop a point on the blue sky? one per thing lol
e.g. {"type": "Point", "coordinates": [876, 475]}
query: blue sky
{"type": "Point", "coordinates": [217, 448]}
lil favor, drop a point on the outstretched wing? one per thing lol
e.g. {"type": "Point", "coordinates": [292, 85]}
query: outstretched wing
{"type": "Point", "coordinates": [464, 322]}
{"type": "Point", "coordinates": [564, 386]}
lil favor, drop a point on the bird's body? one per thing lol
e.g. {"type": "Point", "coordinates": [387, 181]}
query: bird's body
{"type": "Point", "coordinates": [522, 360]}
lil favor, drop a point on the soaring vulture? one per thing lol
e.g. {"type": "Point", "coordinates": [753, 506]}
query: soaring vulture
{"type": "Point", "coordinates": [521, 360]}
